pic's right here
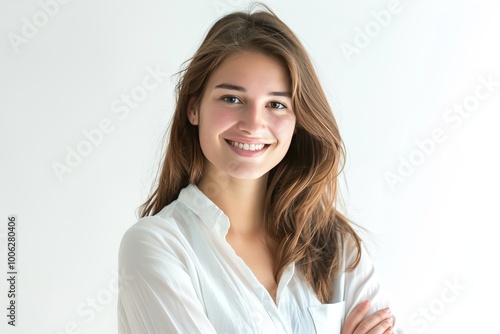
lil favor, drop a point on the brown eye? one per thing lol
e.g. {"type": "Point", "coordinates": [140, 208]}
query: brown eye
{"type": "Point", "coordinates": [231, 99]}
{"type": "Point", "coordinates": [277, 105]}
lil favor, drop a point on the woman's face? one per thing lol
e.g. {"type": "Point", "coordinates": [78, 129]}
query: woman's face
{"type": "Point", "coordinates": [245, 120]}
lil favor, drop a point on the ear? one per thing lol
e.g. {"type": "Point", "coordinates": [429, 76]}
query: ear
{"type": "Point", "coordinates": [192, 111]}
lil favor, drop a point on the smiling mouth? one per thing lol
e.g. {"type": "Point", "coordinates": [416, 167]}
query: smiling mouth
{"type": "Point", "coordinates": [247, 147]}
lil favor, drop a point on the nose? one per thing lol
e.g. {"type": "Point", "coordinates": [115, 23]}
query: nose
{"type": "Point", "coordinates": [252, 119]}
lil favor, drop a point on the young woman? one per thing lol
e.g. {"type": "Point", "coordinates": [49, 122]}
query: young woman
{"type": "Point", "coordinates": [241, 234]}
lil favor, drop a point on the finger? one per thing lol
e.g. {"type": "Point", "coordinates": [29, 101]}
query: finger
{"type": "Point", "coordinates": [356, 316]}
{"type": "Point", "coordinates": [384, 327]}
{"type": "Point", "coordinates": [375, 323]}
{"type": "Point", "coordinates": [389, 330]}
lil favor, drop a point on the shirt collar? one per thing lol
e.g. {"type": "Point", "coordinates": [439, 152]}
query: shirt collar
{"type": "Point", "coordinates": [209, 213]}
{"type": "Point", "coordinates": [217, 221]}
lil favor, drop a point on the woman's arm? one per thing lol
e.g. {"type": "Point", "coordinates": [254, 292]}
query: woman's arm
{"type": "Point", "coordinates": [362, 285]}
{"type": "Point", "coordinates": [156, 290]}
{"type": "Point", "coordinates": [379, 322]}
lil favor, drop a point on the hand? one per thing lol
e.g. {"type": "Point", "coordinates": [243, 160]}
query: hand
{"type": "Point", "coordinates": [379, 322]}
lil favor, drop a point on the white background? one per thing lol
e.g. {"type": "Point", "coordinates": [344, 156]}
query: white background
{"type": "Point", "coordinates": [433, 229]}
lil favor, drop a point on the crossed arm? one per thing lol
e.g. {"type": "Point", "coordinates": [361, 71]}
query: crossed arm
{"type": "Point", "coordinates": [380, 322]}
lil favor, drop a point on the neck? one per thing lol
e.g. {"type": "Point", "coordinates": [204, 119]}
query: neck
{"type": "Point", "coordinates": [241, 200]}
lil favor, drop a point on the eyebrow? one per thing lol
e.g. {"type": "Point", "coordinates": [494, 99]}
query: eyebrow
{"type": "Point", "coordinates": [241, 89]}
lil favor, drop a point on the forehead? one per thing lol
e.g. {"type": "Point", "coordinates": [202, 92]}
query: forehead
{"type": "Point", "coordinates": [252, 69]}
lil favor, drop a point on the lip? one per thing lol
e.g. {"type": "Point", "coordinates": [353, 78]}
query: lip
{"type": "Point", "coordinates": [248, 140]}
{"type": "Point", "coordinates": [247, 153]}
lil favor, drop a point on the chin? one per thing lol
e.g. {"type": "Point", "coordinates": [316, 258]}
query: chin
{"type": "Point", "coordinates": [248, 175]}
{"type": "Point", "coordinates": [243, 173]}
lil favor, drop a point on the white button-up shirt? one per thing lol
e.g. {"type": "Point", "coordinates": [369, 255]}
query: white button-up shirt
{"type": "Point", "coordinates": [179, 275]}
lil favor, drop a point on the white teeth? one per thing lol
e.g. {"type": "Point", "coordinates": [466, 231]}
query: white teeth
{"type": "Point", "coordinates": [247, 147]}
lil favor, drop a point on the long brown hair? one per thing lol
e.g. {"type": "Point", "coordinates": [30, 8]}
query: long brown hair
{"type": "Point", "coordinates": [300, 201]}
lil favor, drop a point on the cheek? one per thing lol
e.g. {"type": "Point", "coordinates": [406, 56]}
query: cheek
{"type": "Point", "coordinates": [216, 119]}
{"type": "Point", "coordinates": [213, 123]}
{"type": "Point", "coordinates": [284, 127]}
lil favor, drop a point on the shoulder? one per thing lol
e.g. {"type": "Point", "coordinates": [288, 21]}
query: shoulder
{"type": "Point", "coordinates": [150, 235]}
{"type": "Point", "coordinates": [351, 250]}
{"type": "Point", "coordinates": [355, 253]}
{"type": "Point", "coordinates": [153, 226]}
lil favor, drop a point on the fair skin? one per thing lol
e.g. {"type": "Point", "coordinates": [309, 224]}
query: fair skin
{"type": "Point", "coordinates": [246, 124]}
{"type": "Point", "coordinates": [246, 101]}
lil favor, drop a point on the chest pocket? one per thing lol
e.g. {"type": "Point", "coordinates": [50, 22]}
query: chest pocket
{"type": "Point", "coordinates": [328, 318]}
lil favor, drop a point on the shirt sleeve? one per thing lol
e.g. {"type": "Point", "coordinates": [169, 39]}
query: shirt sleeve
{"type": "Point", "coordinates": [156, 289]}
{"type": "Point", "coordinates": [362, 283]}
